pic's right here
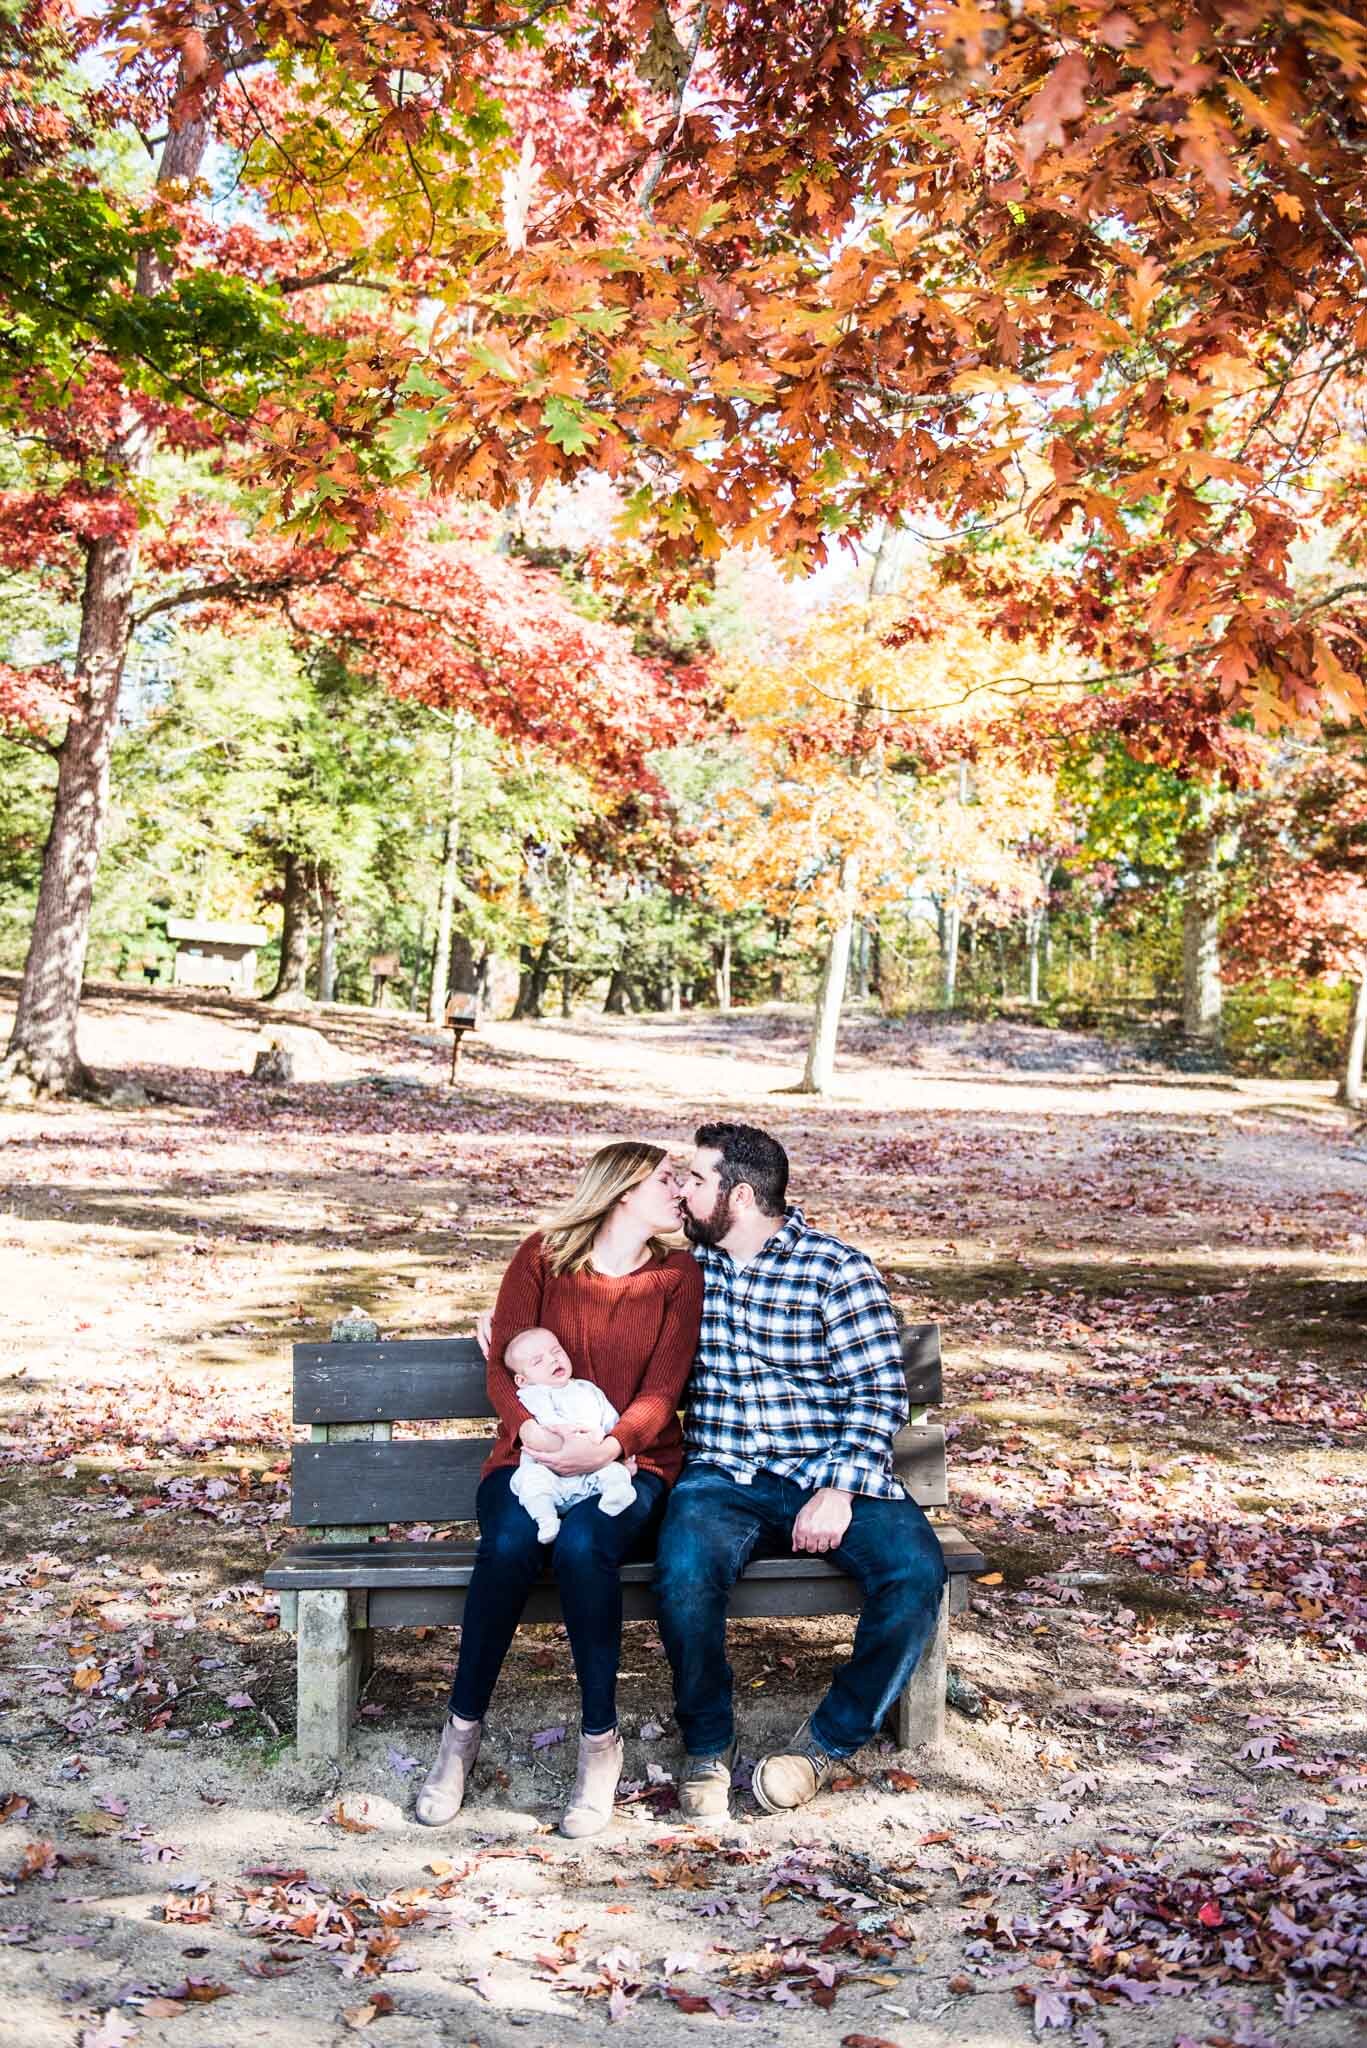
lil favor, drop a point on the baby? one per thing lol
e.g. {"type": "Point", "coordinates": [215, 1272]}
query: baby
{"type": "Point", "coordinates": [550, 1393]}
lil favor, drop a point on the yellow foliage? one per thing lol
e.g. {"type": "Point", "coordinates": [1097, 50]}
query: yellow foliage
{"type": "Point", "coordinates": [828, 815]}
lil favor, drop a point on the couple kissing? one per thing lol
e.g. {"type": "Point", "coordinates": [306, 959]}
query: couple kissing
{"type": "Point", "coordinates": [779, 1344]}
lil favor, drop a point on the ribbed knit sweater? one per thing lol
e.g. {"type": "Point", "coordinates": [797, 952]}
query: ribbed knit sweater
{"type": "Point", "coordinates": [633, 1336]}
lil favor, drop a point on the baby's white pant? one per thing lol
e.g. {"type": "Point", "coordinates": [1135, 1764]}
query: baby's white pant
{"type": "Point", "coordinates": [544, 1493]}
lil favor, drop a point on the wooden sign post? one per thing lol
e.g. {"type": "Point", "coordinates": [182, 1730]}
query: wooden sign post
{"type": "Point", "coordinates": [462, 1014]}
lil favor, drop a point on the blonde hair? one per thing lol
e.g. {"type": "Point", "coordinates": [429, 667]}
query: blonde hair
{"type": "Point", "coordinates": [567, 1236]}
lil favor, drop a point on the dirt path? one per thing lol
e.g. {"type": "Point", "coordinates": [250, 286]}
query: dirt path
{"type": "Point", "coordinates": [1153, 1289]}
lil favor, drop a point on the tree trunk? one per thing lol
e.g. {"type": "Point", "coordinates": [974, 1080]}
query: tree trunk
{"type": "Point", "coordinates": [463, 971]}
{"type": "Point", "coordinates": [1202, 995]}
{"type": "Point", "coordinates": [329, 914]}
{"type": "Point", "coordinates": [953, 926]}
{"type": "Point", "coordinates": [721, 968]}
{"type": "Point", "coordinates": [876, 963]}
{"type": "Point", "coordinates": [446, 896]}
{"type": "Point", "coordinates": [859, 963]}
{"type": "Point", "coordinates": [1034, 932]}
{"type": "Point", "coordinates": [42, 1057]}
{"type": "Point", "coordinates": [569, 942]}
{"type": "Point", "coordinates": [820, 1068]}
{"type": "Point", "coordinates": [291, 983]}
{"type": "Point", "coordinates": [619, 994]}
{"type": "Point", "coordinates": [1350, 1086]}
{"type": "Point", "coordinates": [531, 992]}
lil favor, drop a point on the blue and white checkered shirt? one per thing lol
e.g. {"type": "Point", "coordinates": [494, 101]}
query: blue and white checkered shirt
{"type": "Point", "coordinates": [799, 1366]}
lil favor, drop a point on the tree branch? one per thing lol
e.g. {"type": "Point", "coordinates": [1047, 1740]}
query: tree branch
{"type": "Point", "coordinates": [656, 171]}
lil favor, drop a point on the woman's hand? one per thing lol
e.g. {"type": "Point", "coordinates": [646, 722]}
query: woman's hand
{"type": "Point", "coordinates": [484, 1326]}
{"type": "Point", "coordinates": [580, 1453]}
{"type": "Point", "coordinates": [540, 1441]}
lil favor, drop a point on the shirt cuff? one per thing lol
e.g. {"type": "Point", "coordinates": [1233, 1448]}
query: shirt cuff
{"type": "Point", "coordinates": [848, 1478]}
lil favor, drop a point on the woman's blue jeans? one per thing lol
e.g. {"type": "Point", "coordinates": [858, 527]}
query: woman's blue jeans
{"type": "Point", "coordinates": [713, 1526]}
{"type": "Point", "coordinates": [587, 1557]}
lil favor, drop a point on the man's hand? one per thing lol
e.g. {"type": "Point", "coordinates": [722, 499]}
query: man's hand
{"type": "Point", "coordinates": [535, 1437]}
{"type": "Point", "coordinates": [581, 1452]}
{"type": "Point", "coordinates": [823, 1521]}
{"type": "Point", "coordinates": [484, 1328]}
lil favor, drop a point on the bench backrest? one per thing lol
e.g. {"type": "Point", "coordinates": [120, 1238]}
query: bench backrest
{"type": "Point", "coordinates": [345, 1477]}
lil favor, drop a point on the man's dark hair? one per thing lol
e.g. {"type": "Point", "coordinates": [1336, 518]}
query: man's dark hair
{"type": "Point", "coordinates": [751, 1155]}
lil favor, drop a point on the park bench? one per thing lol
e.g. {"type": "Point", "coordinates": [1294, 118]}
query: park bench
{"type": "Point", "coordinates": [352, 1480]}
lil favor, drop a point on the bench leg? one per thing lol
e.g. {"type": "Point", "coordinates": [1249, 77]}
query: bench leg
{"type": "Point", "coordinates": [333, 1659]}
{"type": "Point", "coordinates": [917, 1717]}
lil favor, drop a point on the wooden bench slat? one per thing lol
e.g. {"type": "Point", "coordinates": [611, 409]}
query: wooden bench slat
{"type": "Point", "coordinates": [751, 1600]}
{"type": "Point", "coordinates": [313, 1566]}
{"type": "Point", "coordinates": [406, 1589]}
{"type": "Point", "coordinates": [416, 1379]}
{"type": "Point", "coordinates": [435, 1379]}
{"type": "Point", "coordinates": [435, 1480]}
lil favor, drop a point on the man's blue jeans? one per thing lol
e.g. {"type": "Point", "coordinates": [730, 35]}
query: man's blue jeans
{"type": "Point", "coordinates": [713, 1526]}
{"type": "Point", "coordinates": [586, 1557]}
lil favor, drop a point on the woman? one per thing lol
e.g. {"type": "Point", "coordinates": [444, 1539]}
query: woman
{"type": "Point", "coordinates": [626, 1309]}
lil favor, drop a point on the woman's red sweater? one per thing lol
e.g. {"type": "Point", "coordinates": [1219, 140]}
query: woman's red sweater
{"type": "Point", "coordinates": [633, 1336]}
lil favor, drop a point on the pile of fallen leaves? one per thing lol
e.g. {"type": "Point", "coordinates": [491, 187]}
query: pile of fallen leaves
{"type": "Point", "coordinates": [1118, 1931]}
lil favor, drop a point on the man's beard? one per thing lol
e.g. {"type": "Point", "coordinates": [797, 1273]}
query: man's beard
{"type": "Point", "coordinates": [710, 1229]}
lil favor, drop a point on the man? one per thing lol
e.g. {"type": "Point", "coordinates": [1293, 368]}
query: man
{"type": "Point", "coordinates": [796, 1396]}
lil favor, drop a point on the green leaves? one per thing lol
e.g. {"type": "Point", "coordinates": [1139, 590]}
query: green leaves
{"type": "Point", "coordinates": [68, 260]}
{"type": "Point", "coordinates": [569, 426]}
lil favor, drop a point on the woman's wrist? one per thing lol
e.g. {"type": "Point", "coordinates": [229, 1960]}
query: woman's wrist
{"type": "Point", "coordinates": [613, 1445]}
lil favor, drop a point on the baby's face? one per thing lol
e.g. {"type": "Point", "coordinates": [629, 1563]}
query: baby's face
{"type": "Point", "coordinates": [538, 1359]}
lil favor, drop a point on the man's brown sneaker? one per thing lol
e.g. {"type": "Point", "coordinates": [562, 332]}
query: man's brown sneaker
{"type": "Point", "coordinates": [792, 1776]}
{"type": "Point", "coordinates": [705, 1787]}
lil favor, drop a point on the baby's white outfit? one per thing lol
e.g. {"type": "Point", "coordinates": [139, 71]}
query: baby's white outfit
{"type": "Point", "coordinates": [575, 1404]}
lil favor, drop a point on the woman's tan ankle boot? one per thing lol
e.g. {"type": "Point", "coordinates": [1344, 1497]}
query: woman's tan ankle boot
{"type": "Point", "coordinates": [595, 1784]}
{"type": "Point", "coordinates": [444, 1786]}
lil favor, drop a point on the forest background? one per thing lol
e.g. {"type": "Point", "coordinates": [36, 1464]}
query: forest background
{"type": "Point", "coordinates": [706, 517]}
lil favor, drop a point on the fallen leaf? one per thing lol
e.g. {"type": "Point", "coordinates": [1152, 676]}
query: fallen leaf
{"type": "Point", "coordinates": [113, 2031]}
{"type": "Point", "coordinates": [38, 1860]}
{"type": "Point", "coordinates": [376, 2006]}
{"type": "Point", "coordinates": [91, 1822]}
{"type": "Point", "coordinates": [342, 1819]}
{"type": "Point", "coordinates": [199, 1991]}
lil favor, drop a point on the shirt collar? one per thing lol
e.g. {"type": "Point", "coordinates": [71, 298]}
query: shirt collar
{"type": "Point", "coordinates": [783, 1240]}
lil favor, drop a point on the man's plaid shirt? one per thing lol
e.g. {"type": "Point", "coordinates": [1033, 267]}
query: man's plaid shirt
{"type": "Point", "coordinates": [799, 1366]}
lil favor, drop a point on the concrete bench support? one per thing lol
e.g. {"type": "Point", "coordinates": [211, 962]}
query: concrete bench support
{"type": "Point", "coordinates": [917, 1719]}
{"type": "Point", "coordinates": [334, 1663]}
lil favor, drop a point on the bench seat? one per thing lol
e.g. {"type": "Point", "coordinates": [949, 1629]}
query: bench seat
{"type": "Point", "coordinates": [415, 1585]}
